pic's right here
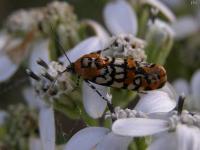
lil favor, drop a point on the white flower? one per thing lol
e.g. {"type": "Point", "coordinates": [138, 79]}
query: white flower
{"type": "Point", "coordinates": [143, 126]}
{"type": "Point", "coordinates": [191, 90]}
{"type": "Point", "coordinates": [157, 101]}
{"type": "Point", "coordinates": [185, 138]}
{"type": "Point", "coordinates": [93, 103]}
{"type": "Point", "coordinates": [102, 138]}
{"type": "Point", "coordinates": [97, 138]}
{"type": "Point", "coordinates": [46, 120]}
{"type": "Point", "coordinates": [47, 128]}
{"type": "Point", "coordinates": [46, 113]}
{"type": "Point", "coordinates": [121, 21]}
{"type": "Point", "coordinates": [160, 25]}
{"type": "Point", "coordinates": [7, 66]}
{"type": "Point", "coordinates": [154, 102]}
{"type": "Point", "coordinates": [126, 45]}
{"type": "Point", "coordinates": [99, 31]}
{"type": "Point", "coordinates": [40, 50]}
{"type": "Point", "coordinates": [178, 131]}
{"type": "Point", "coordinates": [120, 18]}
{"type": "Point", "coordinates": [185, 135]}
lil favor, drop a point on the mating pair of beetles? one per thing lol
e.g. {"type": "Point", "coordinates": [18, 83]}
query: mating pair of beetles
{"type": "Point", "coordinates": [125, 73]}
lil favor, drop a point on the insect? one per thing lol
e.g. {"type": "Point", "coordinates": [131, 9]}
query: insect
{"type": "Point", "coordinates": [122, 73]}
{"type": "Point", "coordinates": [119, 73]}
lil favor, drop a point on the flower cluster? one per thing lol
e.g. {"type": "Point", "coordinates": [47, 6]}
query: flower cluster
{"type": "Point", "coordinates": [126, 45]}
{"type": "Point", "coordinates": [53, 81]}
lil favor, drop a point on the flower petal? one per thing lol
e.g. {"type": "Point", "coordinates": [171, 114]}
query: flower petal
{"type": "Point", "coordinates": [181, 86]}
{"type": "Point", "coordinates": [195, 86]}
{"type": "Point", "coordinates": [188, 137]}
{"type": "Point", "coordinates": [40, 50]}
{"type": "Point", "coordinates": [3, 39]}
{"type": "Point", "coordinates": [93, 103]}
{"type": "Point", "coordinates": [114, 142]}
{"type": "Point", "coordinates": [155, 101]}
{"type": "Point", "coordinates": [100, 31]}
{"type": "Point", "coordinates": [47, 128]}
{"type": "Point", "coordinates": [120, 18]}
{"type": "Point", "coordinates": [168, 88]}
{"type": "Point", "coordinates": [167, 141]}
{"type": "Point", "coordinates": [87, 46]}
{"type": "Point", "coordinates": [87, 138]}
{"type": "Point", "coordinates": [7, 68]}
{"type": "Point", "coordinates": [185, 26]}
{"type": "Point", "coordinates": [35, 144]}
{"type": "Point", "coordinates": [161, 7]}
{"type": "Point", "coordinates": [196, 139]}
{"type": "Point", "coordinates": [162, 26]}
{"type": "Point", "coordinates": [137, 127]}
{"type": "Point", "coordinates": [172, 3]}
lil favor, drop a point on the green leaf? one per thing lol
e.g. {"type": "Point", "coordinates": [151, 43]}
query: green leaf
{"type": "Point", "coordinates": [54, 46]}
{"type": "Point", "coordinates": [143, 17]}
{"type": "Point", "coordinates": [121, 97]}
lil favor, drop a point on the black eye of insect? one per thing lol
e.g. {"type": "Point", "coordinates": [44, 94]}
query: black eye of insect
{"type": "Point", "coordinates": [133, 46]}
{"type": "Point", "coordinates": [116, 44]}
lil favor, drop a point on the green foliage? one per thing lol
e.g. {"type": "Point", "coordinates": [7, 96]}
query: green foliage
{"type": "Point", "coordinates": [122, 97]}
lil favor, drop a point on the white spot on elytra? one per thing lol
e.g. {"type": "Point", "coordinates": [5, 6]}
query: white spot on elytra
{"type": "Point", "coordinates": [119, 76]}
{"type": "Point", "coordinates": [119, 69]}
{"type": "Point", "coordinates": [119, 61]}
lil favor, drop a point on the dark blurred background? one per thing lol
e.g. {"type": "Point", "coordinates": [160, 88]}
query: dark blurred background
{"type": "Point", "coordinates": [95, 6]}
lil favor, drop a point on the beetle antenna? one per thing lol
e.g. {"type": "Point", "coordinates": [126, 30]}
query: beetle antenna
{"type": "Point", "coordinates": [60, 45]}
